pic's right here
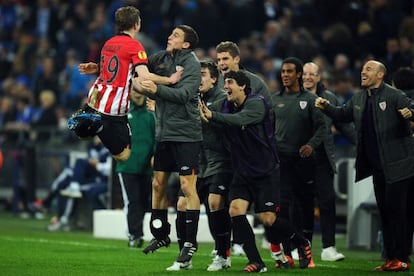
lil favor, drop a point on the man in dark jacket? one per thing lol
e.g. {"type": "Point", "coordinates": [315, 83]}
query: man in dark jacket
{"type": "Point", "coordinates": [178, 138]}
{"type": "Point", "coordinates": [325, 168]}
{"type": "Point", "coordinates": [216, 170]}
{"type": "Point", "coordinates": [249, 128]}
{"type": "Point", "coordinates": [385, 150]}
{"type": "Point", "coordinates": [300, 129]}
{"type": "Point", "coordinates": [228, 59]}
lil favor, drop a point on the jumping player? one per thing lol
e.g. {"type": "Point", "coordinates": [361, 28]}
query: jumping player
{"type": "Point", "coordinates": [122, 57]}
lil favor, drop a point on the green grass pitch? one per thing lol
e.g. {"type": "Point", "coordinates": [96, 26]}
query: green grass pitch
{"type": "Point", "coordinates": [26, 248]}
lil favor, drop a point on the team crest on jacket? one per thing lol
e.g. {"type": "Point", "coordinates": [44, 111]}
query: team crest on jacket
{"type": "Point", "coordinates": [383, 105]}
{"type": "Point", "coordinates": [303, 104]}
{"type": "Point", "coordinates": [142, 54]}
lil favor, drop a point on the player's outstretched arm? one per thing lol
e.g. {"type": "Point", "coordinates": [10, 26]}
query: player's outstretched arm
{"type": "Point", "coordinates": [88, 68]}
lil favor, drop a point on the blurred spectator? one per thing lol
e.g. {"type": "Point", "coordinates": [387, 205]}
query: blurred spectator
{"type": "Point", "coordinates": [273, 9]}
{"type": "Point", "coordinates": [344, 91]}
{"type": "Point", "coordinates": [71, 38]}
{"type": "Point", "coordinates": [365, 39]}
{"type": "Point", "coordinates": [18, 130]}
{"type": "Point", "coordinates": [7, 111]}
{"type": "Point", "coordinates": [97, 28]}
{"type": "Point", "coordinates": [45, 121]}
{"type": "Point", "coordinates": [268, 69]}
{"type": "Point", "coordinates": [208, 22]}
{"type": "Point", "coordinates": [23, 54]}
{"type": "Point", "coordinates": [342, 88]}
{"type": "Point", "coordinates": [9, 17]}
{"type": "Point", "coordinates": [274, 38]}
{"type": "Point", "coordinates": [407, 49]}
{"type": "Point", "coordinates": [46, 79]}
{"type": "Point", "coordinates": [341, 66]}
{"type": "Point", "coordinates": [393, 58]}
{"type": "Point", "coordinates": [385, 17]}
{"type": "Point", "coordinates": [88, 176]}
{"type": "Point", "coordinates": [403, 79]}
{"type": "Point", "coordinates": [302, 45]}
{"type": "Point", "coordinates": [74, 85]}
{"type": "Point", "coordinates": [337, 38]}
{"type": "Point", "coordinates": [43, 20]}
{"type": "Point", "coordinates": [407, 27]}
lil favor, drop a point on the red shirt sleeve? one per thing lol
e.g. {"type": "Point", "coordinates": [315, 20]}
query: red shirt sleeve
{"type": "Point", "coordinates": [138, 54]}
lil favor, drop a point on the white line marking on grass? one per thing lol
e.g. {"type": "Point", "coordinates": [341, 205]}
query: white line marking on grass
{"type": "Point", "coordinates": [84, 244]}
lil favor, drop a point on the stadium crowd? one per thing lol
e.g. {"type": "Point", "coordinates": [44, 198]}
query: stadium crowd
{"type": "Point", "coordinates": [42, 42]}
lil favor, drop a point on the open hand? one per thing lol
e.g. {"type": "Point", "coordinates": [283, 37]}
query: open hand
{"type": "Point", "coordinates": [88, 68]}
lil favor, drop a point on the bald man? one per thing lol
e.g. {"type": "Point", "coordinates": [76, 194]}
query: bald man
{"type": "Point", "coordinates": [325, 168]}
{"type": "Point", "coordinates": [385, 150]}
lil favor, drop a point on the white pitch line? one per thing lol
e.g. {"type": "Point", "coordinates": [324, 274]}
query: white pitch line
{"type": "Point", "coordinates": [84, 244]}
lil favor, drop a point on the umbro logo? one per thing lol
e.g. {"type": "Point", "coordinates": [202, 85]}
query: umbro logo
{"type": "Point", "coordinates": [269, 203]}
{"type": "Point", "coordinates": [185, 168]}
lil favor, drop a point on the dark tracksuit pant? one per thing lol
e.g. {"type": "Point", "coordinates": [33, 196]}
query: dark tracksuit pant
{"type": "Point", "coordinates": [392, 204]}
{"type": "Point", "coordinates": [136, 192]}
{"type": "Point", "coordinates": [323, 190]}
{"type": "Point", "coordinates": [325, 196]}
{"type": "Point", "coordinates": [297, 191]}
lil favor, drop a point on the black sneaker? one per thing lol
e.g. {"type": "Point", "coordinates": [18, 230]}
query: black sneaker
{"type": "Point", "coordinates": [305, 255]}
{"type": "Point", "coordinates": [156, 244]}
{"type": "Point", "coordinates": [186, 253]}
{"type": "Point", "coordinates": [255, 268]}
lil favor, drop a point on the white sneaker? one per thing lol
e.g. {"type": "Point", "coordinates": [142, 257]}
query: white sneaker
{"type": "Point", "coordinates": [57, 225]}
{"type": "Point", "coordinates": [72, 191]}
{"type": "Point", "coordinates": [330, 254]}
{"type": "Point", "coordinates": [237, 250]}
{"type": "Point", "coordinates": [219, 263]}
{"type": "Point", "coordinates": [265, 244]}
{"type": "Point", "coordinates": [180, 266]}
{"type": "Point", "coordinates": [295, 254]}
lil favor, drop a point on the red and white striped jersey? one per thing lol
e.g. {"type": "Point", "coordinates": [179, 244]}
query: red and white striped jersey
{"type": "Point", "coordinates": [111, 91]}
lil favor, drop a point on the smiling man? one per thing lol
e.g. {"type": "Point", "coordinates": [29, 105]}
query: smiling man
{"type": "Point", "coordinates": [325, 169]}
{"type": "Point", "coordinates": [228, 59]}
{"type": "Point", "coordinates": [385, 150]}
{"type": "Point", "coordinates": [299, 130]}
{"type": "Point", "coordinates": [249, 129]}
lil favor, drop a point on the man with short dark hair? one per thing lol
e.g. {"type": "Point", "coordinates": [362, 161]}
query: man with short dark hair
{"type": "Point", "coordinates": [178, 138]}
{"type": "Point", "coordinates": [249, 129]}
{"type": "Point", "coordinates": [228, 59]}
